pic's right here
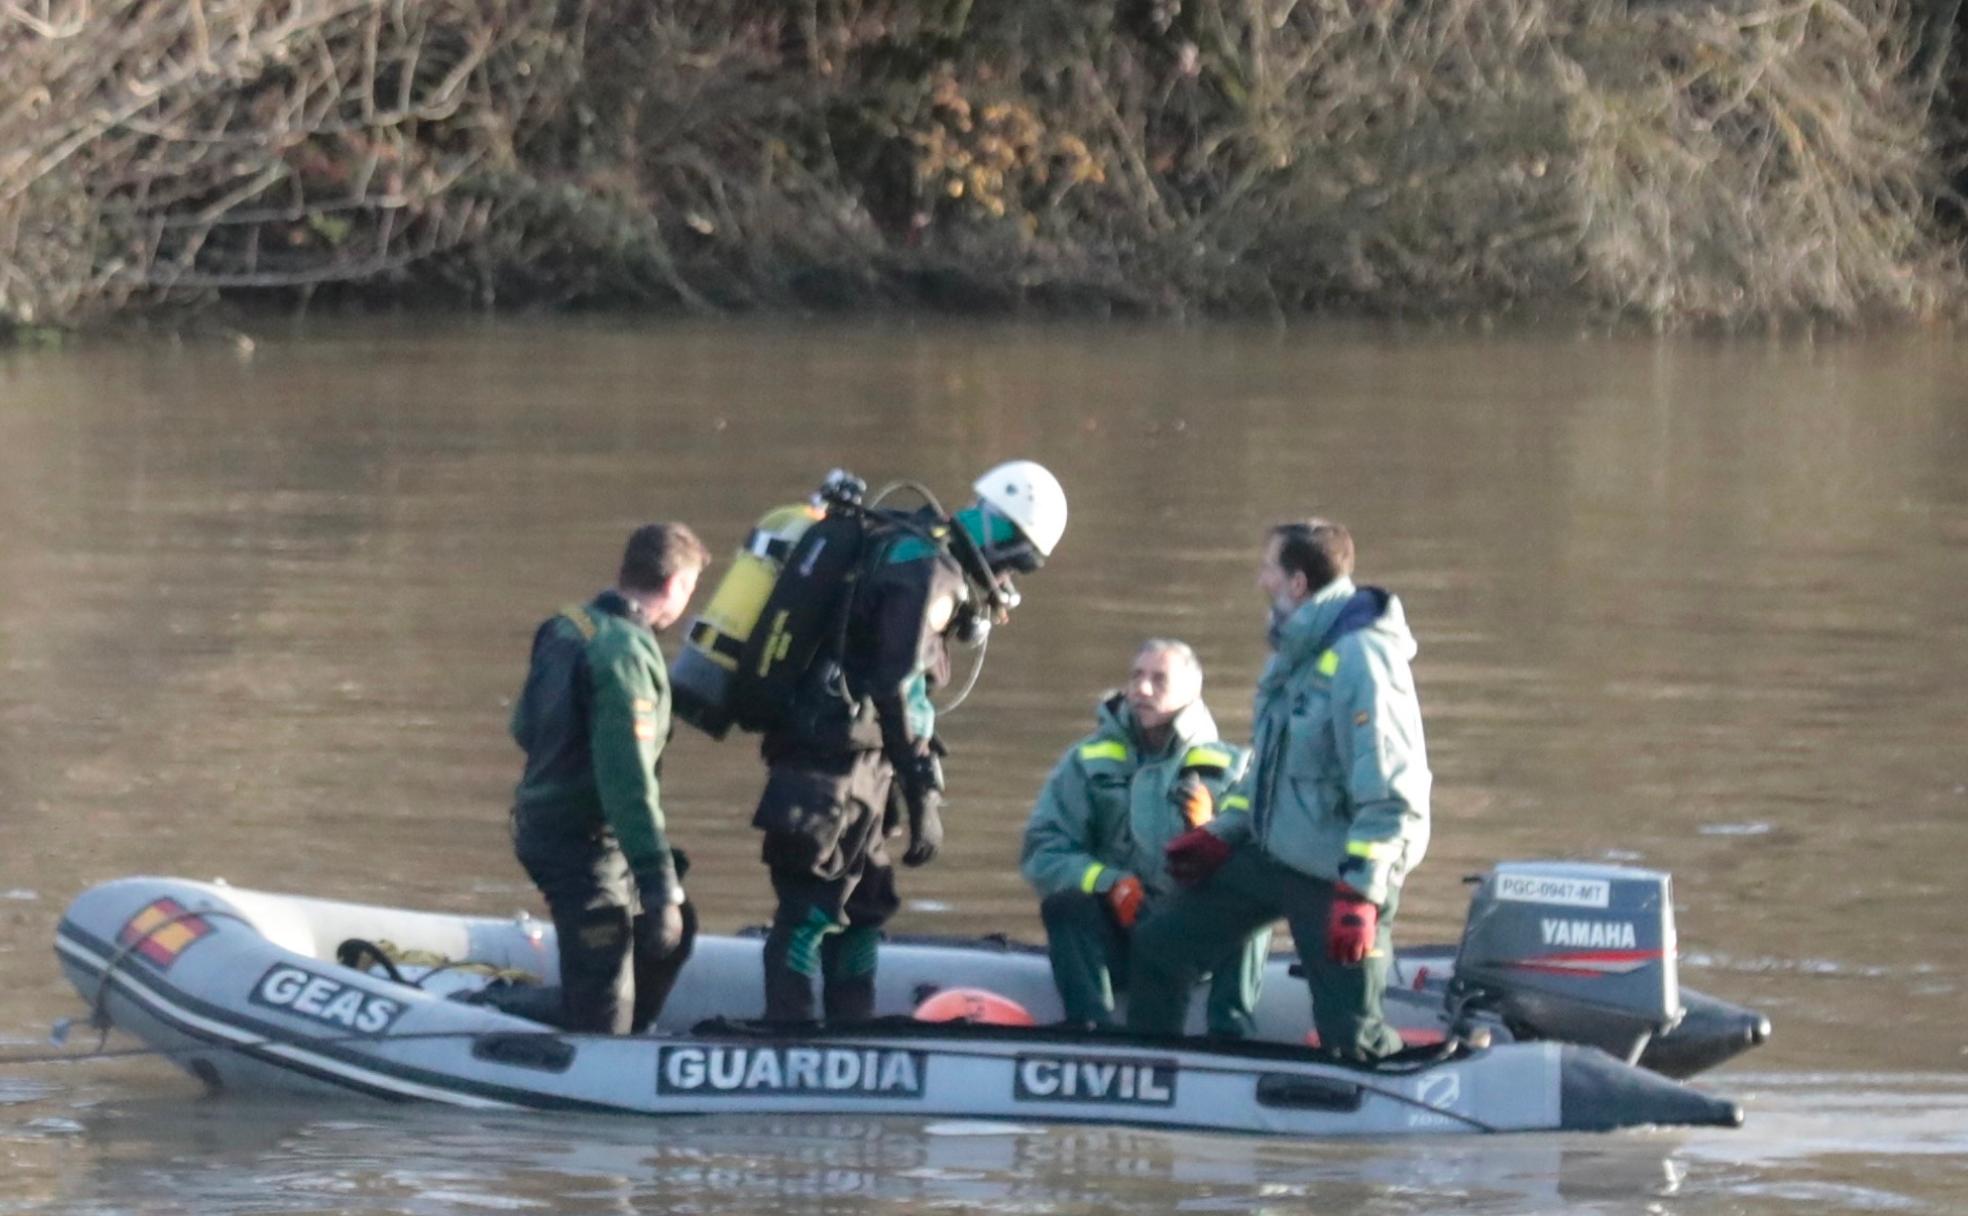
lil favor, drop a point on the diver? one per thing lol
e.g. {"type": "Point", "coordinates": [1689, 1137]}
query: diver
{"type": "Point", "coordinates": [853, 759]}
{"type": "Point", "coordinates": [1152, 769]}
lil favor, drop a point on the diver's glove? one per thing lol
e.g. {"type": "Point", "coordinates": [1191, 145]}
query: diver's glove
{"type": "Point", "coordinates": [922, 793]}
{"type": "Point", "coordinates": [925, 828]}
{"type": "Point", "coordinates": [1195, 855]}
{"type": "Point", "coordinates": [929, 763]}
{"type": "Point", "coordinates": [1350, 926]}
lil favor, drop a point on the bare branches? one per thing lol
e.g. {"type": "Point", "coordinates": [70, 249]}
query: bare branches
{"type": "Point", "coordinates": [141, 156]}
{"type": "Point", "coordinates": [1730, 161]}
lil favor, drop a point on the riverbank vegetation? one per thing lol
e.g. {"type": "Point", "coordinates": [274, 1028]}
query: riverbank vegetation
{"type": "Point", "coordinates": [1748, 162]}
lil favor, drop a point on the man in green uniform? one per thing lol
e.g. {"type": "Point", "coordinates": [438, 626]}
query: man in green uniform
{"type": "Point", "coordinates": [1332, 816]}
{"type": "Point", "coordinates": [587, 817]}
{"type": "Point", "coordinates": [1152, 769]}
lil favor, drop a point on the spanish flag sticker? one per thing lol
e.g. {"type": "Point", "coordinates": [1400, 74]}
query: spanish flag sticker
{"type": "Point", "coordinates": [162, 930]}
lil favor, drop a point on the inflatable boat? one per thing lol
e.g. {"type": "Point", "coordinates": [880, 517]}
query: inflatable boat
{"type": "Point", "coordinates": [1546, 1017]}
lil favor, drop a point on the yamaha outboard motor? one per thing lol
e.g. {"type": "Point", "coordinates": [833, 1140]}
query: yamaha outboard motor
{"type": "Point", "coordinates": [1577, 952]}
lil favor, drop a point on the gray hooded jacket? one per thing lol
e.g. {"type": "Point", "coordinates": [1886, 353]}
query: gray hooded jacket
{"type": "Point", "coordinates": [1340, 783]}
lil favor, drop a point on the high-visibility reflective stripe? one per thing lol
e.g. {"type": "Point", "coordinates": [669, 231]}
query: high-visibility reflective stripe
{"type": "Point", "coordinates": [1206, 757]}
{"type": "Point", "coordinates": [1091, 877]}
{"type": "Point", "coordinates": [1328, 662]}
{"type": "Point", "coordinates": [1236, 802]}
{"type": "Point", "coordinates": [1106, 749]}
{"type": "Point", "coordinates": [1372, 850]}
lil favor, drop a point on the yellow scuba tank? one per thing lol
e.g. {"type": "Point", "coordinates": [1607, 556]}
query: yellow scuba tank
{"type": "Point", "coordinates": [701, 677]}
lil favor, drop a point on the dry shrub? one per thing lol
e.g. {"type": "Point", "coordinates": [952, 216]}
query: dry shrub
{"type": "Point", "coordinates": [1731, 162]}
{"type": "Point", "coordinates": [1757, 162]}
{"type": "Point", "coordinates": [1720, 163]}
{"type": "Point", "coordinates": [162, 149]}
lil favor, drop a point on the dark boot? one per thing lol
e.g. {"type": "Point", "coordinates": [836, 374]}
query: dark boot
{"type": "Point", "coordinates": [792, 963]}
{"type": "Point", "coordinates": [540, 1003]}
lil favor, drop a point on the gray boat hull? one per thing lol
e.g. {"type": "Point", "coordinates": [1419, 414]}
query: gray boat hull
{"type": "Point", "coordinates": [239, 988]}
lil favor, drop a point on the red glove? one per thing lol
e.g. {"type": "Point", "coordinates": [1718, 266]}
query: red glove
{"type": "Point", "coordinates": [1195, 855]}
{"type": "Point", "coordinates": [1351, 927]}
{"type": "Point", "coordinates": [1124, 899]}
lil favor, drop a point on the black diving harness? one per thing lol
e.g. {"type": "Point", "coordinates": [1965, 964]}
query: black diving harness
{"type": "Point", "coordinates": [998, 598]}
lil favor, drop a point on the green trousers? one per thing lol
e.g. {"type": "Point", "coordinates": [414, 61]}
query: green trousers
{"type": "Point", "coordinates": [1090, 950]}
{"type": "Point", "coordinates": [1251, 890]}
{"type": "Point", "coordinates": [612, 981]}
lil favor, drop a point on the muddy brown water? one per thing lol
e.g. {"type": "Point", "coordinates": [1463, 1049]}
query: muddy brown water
{"type": "Point", "coordinates": [1687, 604]}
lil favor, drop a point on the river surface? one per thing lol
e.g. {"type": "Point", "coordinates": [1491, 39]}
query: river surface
{"type": "Point", "coordinates": [1692, 605]}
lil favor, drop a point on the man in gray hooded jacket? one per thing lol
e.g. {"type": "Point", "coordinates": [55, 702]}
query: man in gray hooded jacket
{"type": "Point", "coordinates": [1332, 816]}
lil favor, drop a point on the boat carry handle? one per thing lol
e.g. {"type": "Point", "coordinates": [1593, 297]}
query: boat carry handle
{"type": "Point", "coordinates": [1307, 1093]}
{"type": "Point", "coordinates": [525, 1049]}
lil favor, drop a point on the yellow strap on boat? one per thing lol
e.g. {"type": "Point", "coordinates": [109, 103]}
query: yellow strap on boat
{"type": "Point", "coordinates": [440, 962]}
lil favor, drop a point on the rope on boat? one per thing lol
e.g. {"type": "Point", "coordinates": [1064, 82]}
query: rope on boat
{"type": "Point", "coordinates": [98, 1006]}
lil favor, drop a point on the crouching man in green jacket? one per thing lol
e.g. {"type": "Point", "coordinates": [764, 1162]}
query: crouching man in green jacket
{"type": "Point", "coordinates": [1151, 770]}
{"type": "Point", "coordinates": [587, 818]}
{"type": "Point", "coordinates": [1332, 816]}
